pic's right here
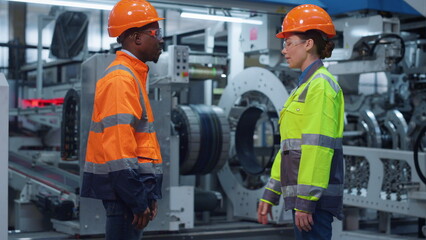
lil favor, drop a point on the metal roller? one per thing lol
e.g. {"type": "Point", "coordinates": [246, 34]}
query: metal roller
{"type": "Point", "coordinates": [187, 124]}
{"type": "Point", "coordinates": [202, 72]}
{"type": "Point", "coordinates": [204, 138]}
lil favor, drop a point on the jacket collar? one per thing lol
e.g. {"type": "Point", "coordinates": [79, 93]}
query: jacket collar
{"type": "Point", "coordinates": [311, 69]}
{"type": "Point", "coordinates": [132, 61]}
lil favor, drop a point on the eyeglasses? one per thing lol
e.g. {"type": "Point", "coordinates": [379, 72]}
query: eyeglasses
{"type": "Point", "coordinates": [290, 44]}
{"type": "Point", "coordinates": [157, 33]}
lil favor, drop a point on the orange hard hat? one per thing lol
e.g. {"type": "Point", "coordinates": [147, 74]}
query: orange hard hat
{"type": "Point", "coordinates": [307, 17]}
{"type": "Point", "coordinates": [128, 14]}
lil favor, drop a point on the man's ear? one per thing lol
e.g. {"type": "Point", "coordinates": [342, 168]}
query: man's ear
{"type": "Point", "coordinates": [138, 38]}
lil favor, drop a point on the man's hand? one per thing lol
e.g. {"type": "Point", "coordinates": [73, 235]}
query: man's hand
{"type": "Point", "coordinates": [153, 207]}
{"type": "Point", "coordinates": [262, 212]}
{"type": "Point", "coordinates": [303, 221]}
{"type": "Point", "coordinates": [140, 220]}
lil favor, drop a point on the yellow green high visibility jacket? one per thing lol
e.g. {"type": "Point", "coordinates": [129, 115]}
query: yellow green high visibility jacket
{"type": "Point", "coordinates": [308, 169]}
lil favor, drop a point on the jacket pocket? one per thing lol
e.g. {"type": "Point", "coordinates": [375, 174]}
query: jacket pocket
{"type": "Point", "coordinates": [296, 108]}
{"type": "Point", "coordinates": [290, 167]}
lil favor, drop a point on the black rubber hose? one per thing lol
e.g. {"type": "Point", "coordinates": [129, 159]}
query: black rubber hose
{"type": "Point", "coordinates": [389, 35]}
{"type": "Point", "coordinates": [416, 154]}
{"type": "Point", "coordinates": [70, 126]}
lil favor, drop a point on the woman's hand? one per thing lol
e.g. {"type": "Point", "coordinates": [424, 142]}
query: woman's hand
{"type": "Point", "coordinates": [263, 210]}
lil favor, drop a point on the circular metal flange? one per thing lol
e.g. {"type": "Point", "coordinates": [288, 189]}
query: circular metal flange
{"type": "Point", "coordinates": [265, 84]}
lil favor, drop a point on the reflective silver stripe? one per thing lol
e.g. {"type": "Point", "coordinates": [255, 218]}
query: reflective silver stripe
{"type": "Point", "coordinates": [302, 96]}
{"type": "Point", "coordinates": [96, 127]}
{"type": "Point", "coordinates": [333, 190]}
{"type": "Point", "coordinates": [158, 168]}
{"type": "Point", "coordinates": [114, 120]}
{"type": "Point", "coordinates": [122, 164]}
{"type": "Point", "coordinates": [111, 166]}
{"type": "Point", "coordinates": [145, 127]}
{"type": "Point", "coordinates": [96, 168]}
{"type": "Point", "coordinates": [309, 191]}
{"type": "Point", "coordinates": [291, 144]}
{"type": "Point", "coordinates": [274, 185]}
{"type": "Point", "coordinates": [150, 168]}
{"type": "Point", "coordinates": [289, 191]}
{"type": "Point", "coordinates": [271, 196]}
{"type": "Point", "coordinates": [322, 140]}
{"type": "Point", "coordinates": [305, 205]}
{"type": "Point", "coordinates": [122, 118]}
{"type": "Point", "coordinates": [311, 139]}
{"type": "Point", "coordinates": [333, 84]}
{"type": "Point", "coordinates": [292, 91]}
{"type": "Point", "coordinates": [141, 98]}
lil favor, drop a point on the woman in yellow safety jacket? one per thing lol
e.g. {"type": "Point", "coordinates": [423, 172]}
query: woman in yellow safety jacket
{"type": "Point", "coordinates": [308, 169]}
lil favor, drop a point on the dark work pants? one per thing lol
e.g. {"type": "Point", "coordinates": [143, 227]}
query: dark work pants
{"type": "Point", "coordinates": [119, 219]}
{"type": "Point", "coordinates": [321, 230]}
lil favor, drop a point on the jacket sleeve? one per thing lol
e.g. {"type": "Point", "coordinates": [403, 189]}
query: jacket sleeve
{"type": "Point", "coordinates": [119, 108]}
{"type": "Point", "coordinates": [272, 191]}
{"type": "Point", "coordinates": [155, 194]}
{"type": "Point", "coordinates": [320, 134]}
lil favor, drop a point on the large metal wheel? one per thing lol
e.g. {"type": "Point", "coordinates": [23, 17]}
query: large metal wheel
{"type": "Point", "coordinates": [252, 102]}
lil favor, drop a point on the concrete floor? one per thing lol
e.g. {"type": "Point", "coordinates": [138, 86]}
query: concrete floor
{"type": "Point", "coordinates": [218, 231]}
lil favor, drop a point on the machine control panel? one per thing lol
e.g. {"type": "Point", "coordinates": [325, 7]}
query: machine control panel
{"type": "Point", "coordinates": [178, 63]}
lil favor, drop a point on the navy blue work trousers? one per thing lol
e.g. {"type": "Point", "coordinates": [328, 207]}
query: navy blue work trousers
{"type": "Point", "coordinates": [119, 219]}
{"type": "Point", "coordinates": [321, 230]}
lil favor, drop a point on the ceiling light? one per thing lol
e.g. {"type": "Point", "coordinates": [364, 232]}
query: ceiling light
{"type": "Point", "coordinates": [220, 18]}
{"type": "Point", "coordinates": [79, 4]}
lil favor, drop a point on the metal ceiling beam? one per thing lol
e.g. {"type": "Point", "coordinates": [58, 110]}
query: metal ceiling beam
{"type": "Point", "coordinates": [419, 5]}
{"type": "Point", "coordinates": [394, 6]}
{"type": "Point", "coordinates": [260, 6]}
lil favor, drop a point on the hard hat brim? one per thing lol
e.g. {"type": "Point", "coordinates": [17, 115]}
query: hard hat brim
{"type": "Point", "coordinates": [118, 30]}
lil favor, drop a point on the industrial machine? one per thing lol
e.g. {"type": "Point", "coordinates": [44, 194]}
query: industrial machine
{"type": "Point", "coordinates": [383, 79]}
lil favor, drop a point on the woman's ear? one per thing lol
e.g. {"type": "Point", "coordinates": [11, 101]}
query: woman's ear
{"type": "Point", "coordinates": [309, 45]}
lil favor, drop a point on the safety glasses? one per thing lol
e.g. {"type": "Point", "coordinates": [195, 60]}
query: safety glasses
{"type": "Point", "coordinates": [291, 44]}
{"type": "Point", "coordinates": [157, 33]}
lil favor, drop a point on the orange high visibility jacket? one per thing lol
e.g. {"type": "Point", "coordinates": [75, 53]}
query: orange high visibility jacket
{"type": "Point", "coordinates": [123, 159]}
